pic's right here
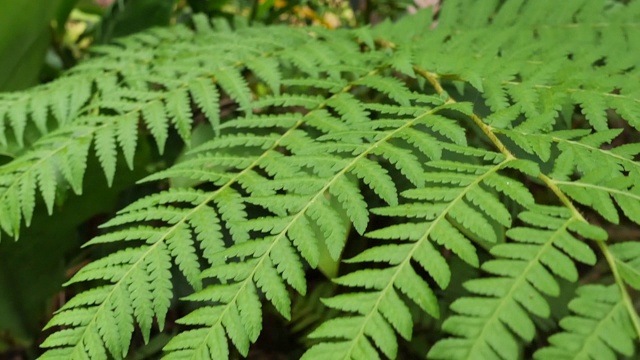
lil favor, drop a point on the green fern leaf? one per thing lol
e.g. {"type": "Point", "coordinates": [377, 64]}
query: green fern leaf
{"type": "Point", "coordinates": [18, 120]}
{"type": "Point", "coordinates": [155, 118]}
{"type": "Point", "coordinates": [350, 109]}
{"type": "Point", "coordinates": [348, 194]}
{"type": "Point", "coordinates": [180, 112]}
{"type": "Point", "coordinates": [491, 322]}
{"type": "Point", "coordinates": [600, 327]}
{"type": "Point", "coordinates": [446, 128]}
{"type": "Point", "coordinates": [593, 107]}
{"type": "Point", "coordinates": [27, 199]}
{"type": "Point", "coordinates": [598, 194]}
{"type": "Point", "coordinates": [361, 142]}
{"type": "Point", "coordinates": [127, 136]}
{"type": "Point", "coordinates": [402, 61]}
{"type": "Point", "coordinates": [496, 95]}
{"type": "Point", "coordinates": [183, 250]}
{"type": "Point", "coordinates": [629, 110]}
{"type": "Point", "coordinates": [268, 279]}
{"type": "Point", "coordinates": [403, 160]}
{"type": "Point", "coordinates": [39, 112]}
{"type": "Point", "coordinates": [510, 188]}
{"type": "Point", "coordinates": [326, 219]}
{"type": "Point", "coordinates": [72, 163]}
{"type": "Point", "coordinates": [234, 84]}
{"type": "Point", "coordinates": [303, 61]}
{"type": "Point", "coordinates": [627, 258]}
{"type": "Point", "coordinates": [378, 179]}
{"type": "Point", "coordinates": [105, 146]}
{"type": "Point", "coordinates": [205, 95]}
{"type": "Point", "coordinates": [394, 88]}
{"type": "Point", "coordinates": [268, 70]}
{"type": "Point", "coordinates": [47, 182]}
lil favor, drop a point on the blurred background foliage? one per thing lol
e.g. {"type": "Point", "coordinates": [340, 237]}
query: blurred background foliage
{"type": "Point", "coordinates": [40, 39]}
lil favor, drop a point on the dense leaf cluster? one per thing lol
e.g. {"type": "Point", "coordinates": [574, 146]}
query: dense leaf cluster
{"type": "Point", "coordinates": [434, 146]}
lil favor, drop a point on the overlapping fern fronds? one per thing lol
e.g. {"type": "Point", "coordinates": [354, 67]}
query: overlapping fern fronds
{"type": "Point", "coordinates": [419, 141]}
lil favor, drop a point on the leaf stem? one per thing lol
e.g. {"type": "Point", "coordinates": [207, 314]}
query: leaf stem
{"type": "Point", "coordinates": [433, 79]}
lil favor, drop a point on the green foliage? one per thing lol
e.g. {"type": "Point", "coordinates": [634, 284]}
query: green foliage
{"type": "Point", "coordinates": [28, 45]}
{"type": "Point", "coordinates": [599, 329]}
{"type": "Point", "coordinates": [404, 147]}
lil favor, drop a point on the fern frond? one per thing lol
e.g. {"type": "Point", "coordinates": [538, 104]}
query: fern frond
{"type": "Point", "coordinates": [60, 156]}
{"type": "Point", "coordinates": [275, 262]}
{"type": "Point", "coordinates": [598, 196]}
{"type": "Point", "coordinates": [358, 141]}
{"type": "Point", "coordinates": [599, 327]}
{"type": "Point", "coordinates": [141, 275]}
{"type": "Point", "coordinates": [129, 91]}
{"type": "Point", "coordinates": [449, 212]}
{"type": "Point", "coordinates": [492, 322]}
{"type": "Point", "coordinates": [580, 150]}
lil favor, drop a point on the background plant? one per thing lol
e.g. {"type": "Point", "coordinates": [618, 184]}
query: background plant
{"type": "Point", "coordinates": [470, 186]}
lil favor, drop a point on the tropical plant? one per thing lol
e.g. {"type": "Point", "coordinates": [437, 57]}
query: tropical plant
{"type": "Point", "coordinates": [463, 181]}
